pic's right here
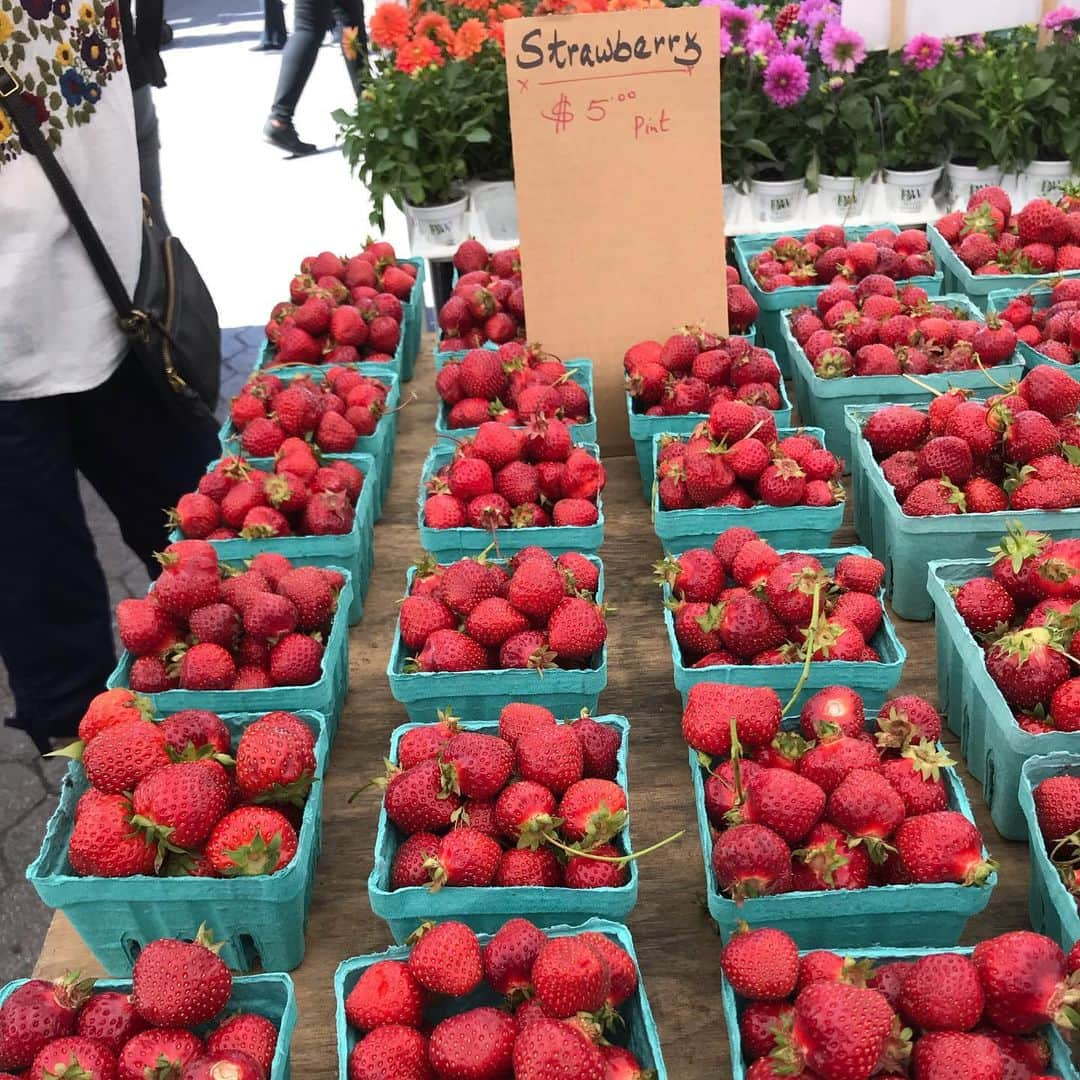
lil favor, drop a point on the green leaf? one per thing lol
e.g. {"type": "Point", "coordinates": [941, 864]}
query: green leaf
{"type": "Point", "coordinates": [54, 101]}
{"type": "Point", "coordinates": [478, 135]}
{"type": "Point", "coordinates": [32, 27]}
{"type": "Point", "coordinates": [1036, 88]}
{"type": "Point", "coordinates": [17, 14]}
{"type": "Point", "coordinates": [409, 139]}
{"type": "Point", "coordinates": [43, 66]}
{"type": "Point", "coordinates": [756, 146]}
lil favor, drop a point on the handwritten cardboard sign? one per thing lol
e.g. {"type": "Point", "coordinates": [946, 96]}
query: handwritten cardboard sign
{"type": "Point", "coordinates": [616, 127]}
{"type": "Point", "coordinates": [891, 23]}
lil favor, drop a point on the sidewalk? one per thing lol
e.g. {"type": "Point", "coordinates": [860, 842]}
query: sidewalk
{"type": "Point", "coordinates": [248, 216]}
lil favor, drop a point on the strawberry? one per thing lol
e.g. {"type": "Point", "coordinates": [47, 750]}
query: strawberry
{"type": "Point", "coordinates": [905, 718]}
{"type": "Point", "coordinates": [940, 1055]}
{"type": "Point", "coordinates": [178, 983]}
{"type": "Point", "coordinates": [479, 1042]}
{"type": "Point", "coordinates": [465, 857]}
{"type": "Point", "coordinates": [36, 1013]}
{"type": "Point", "coordinates": [476, 766]}
{"type": "Point", "coordinates": [784, 801]}
{"type": "Point", "coordinates": [110, 1018]}
{"type": "Point", "coordinates": [983, 604]}
{"type": "Point", "coordinates": [75, 1056]}
{"type": "Point", "coordinates": [761, 964]}
{"type": "Point", "coordinates": [838, 706]}
{"type": "Point", "coordinates": [551, 1050]}
{"type": "Point", "coordinates": [415, 800]}
{"type": "Point", "coordinates": [757, 1026]}
{"type": "Point", "coordinates": [593, 812]}
{"type": "Point", "coordinates": [178, 805]}
{"type": "Point", "coordinates": [600, 746]}
{"type": "Point", "coordinates": [274, 762]}
{"type": "Point", "coordinates": [1026, 667]}
{"type": "Point", "coordinates": [392, 1050]}
{"type": "Point", "coordinates": [916, 778]}
{"type": "Point", "coordinates": [942, 846]}
{"type": "Point", "coordinates": [121, 756]}
{"type": "Point", "coordinates": [144, 628]}
{"type": "Point", "coordinates": [409, 866]}
{"type": "Point", "coordinates": [824, 966]}
{"type": "Point", "coordinates": [713, 708]}
{"type": "Point", "coordinates": [517, 718]}
{"type": "Point", "coordinates": [866, 807]}
{"type": "Point", "coordinates": [895, 427]}
{"type": "Point", "coordinates": [583, 872]}
{"type": "Point", "coordinates": [836, 756]}
{"type": "Point", "coordinates": [550, 755]}
{"type": "Point", "coordinates": [570, 977]}
{"type": "Point", "coordinates": [109, 708]}
{"type": "Point", "coordinates": [750, 861]}
{"type": "Point", "coordinates": [251, 840]}
{"type": "Point", "coordinates": [250, 1033]}
{"type": "Point", "coordinates": [296, 660]}
{"type": "Point", "coordinates": [212, 1065]}
{"type": "Point", "coordinates": [942, 992]}
{"type": "Point", "coordinates": [446, 959]}
{"type": "Point", "coordinates": [386, 993]}
{"type": "Point", "coordinates": [576, 629]}
{"type": "Point", "coordinates": [207, 667]}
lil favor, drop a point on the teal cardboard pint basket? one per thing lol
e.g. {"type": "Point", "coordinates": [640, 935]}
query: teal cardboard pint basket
{"type": "Point", "coordinates": [481, 695]}
{"type": "Point", "coordinates": [260, 920]}
{"type": "Point", "coordinates": [907, 545]}
{"type": "Point", "coordinates": [446, 545]}
{"type": "Point", "coordinates": [793, 526]}
{"type": "Point", "coordinates": [637, 1033]}
{"type": "Point", "coordinates": [324, 696]}
{"type": "Point", "coordinates": [412, 325]}
{"type": "Point", "coordinates": [486, 909]}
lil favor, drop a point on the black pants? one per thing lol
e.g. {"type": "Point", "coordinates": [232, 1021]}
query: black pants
{"type": "Point", "coordinates": [55, 623]}
{"type": "Point", "coordinates": [311, 21]}
{"type": "Point", "coordinates": [274, 30]}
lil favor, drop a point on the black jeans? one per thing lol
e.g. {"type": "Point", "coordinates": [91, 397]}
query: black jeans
{"type": "Point", "coordinates": [56, 625]}
{"type": "Point", "coordinates": [311, 20]}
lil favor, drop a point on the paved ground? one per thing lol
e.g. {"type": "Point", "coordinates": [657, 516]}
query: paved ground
{"type": "Point", "coordinates": [248, 216]}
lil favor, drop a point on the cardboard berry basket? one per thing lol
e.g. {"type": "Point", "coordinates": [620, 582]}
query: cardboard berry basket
{"type": "Point", "coordinates": [324, 697]}
{"type": "Point", "coordinates": [994, 745]}
{"type": "Point", "coordinates": [271, 996]}
{"type": "Point", "coordinates": [906, 545]}
{"type": "Point", "coordinates": [792, 526]}
{"type": "Point", "coordinates": [1060, 1057]}
{"type": "Point", "coordinates": [1051, 907]}
{"type": "Point", "coordinates": [999, 300]}
{"type": "Point", "coordinates": [453, 356]}
{"type": "Point", "coordinates": [773, 304]}
{"type": "Point", "coordinates": [486, 909]}
{"type": "Point", "coordinates": [412, 325]}
{"type": "Point", "coordinates": [879, 915]}
{"type": "Point", "coordinates": [644, 429]}
{"type": "Point", "coordinates": [261, 920]}
{"type": "Point", "coordinates": [379, 445]}
{"type": "Point", "coordinates": [871, 681]}
{"type": "Point", "coordinates": [822, 401]}
{"type": "Point", "coordinates": [958, 278]}
{"type": "Point", "coordinates": [266, 355]}
{"type": "Point", "coordinates": [481, 695]}
{"type": "Point", "coordinates": [639, 1033]}
{"type": "Point", "coordinates": [354, 550]}
{"type": "Point", "coordinates": [581, 371]}
{"type": "Point", "coordinates": [446, 545]}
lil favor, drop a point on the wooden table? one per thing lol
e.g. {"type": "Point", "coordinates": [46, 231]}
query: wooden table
{"type": "Point", "coordinates": [675, 939]}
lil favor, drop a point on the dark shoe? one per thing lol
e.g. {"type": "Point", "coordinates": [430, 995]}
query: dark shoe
{"type": "Point", "coordinates": [271, 45]}
{"type": "Point", "coordinates": [166, 35]}
{"type": "Point", "coordinates": [283, 135]}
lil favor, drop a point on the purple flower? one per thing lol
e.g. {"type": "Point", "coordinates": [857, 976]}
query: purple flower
{"type": "Point", "coordinates": [762, 40]}
{"type": "Point", "coordinates": [816, 14]}
{"type": "Point", "coordinates": [797, 45]}
{"type": "Point", "coordinates": [923, 52]}
{"type": "Point", "coordinates": [725, 41]}
{"type": "Point", "coordinates": [786, 80]}
{"type": "Point", "coordinates": [974, 43]}
{"type": "Point", "coordinates": [738, 20]}
{"type": "Point", "coordinates": [842, 48]}
{"type": "Point", "coordinates": [1060, 18]}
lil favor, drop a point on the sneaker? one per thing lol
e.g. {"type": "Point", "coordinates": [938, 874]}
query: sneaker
{"type": "Point", "coordinates": [282, 134]}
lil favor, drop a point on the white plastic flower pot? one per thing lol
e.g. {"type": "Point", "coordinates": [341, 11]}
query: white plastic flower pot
{"type": "Point", "coordinates": [495, 205]}
{"type": "Point", "coordinates": [842, 197]}
{"type": "Point", "coordinates": [1044, 180]}
{"type": "Point", "coordinates": [909, 191]}
{"type": "Point", "coordinates": [440, 226]}
{"type": "Point", "coordinates": [965, 180]}
{"type": "Point", "coordinates": [777, 200]}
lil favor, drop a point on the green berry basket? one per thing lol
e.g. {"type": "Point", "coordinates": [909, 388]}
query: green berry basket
{"type": "Point", "coordinates": [271, 996]}
{"type": "Point", "coordinates": [822, 401]}
{"type": "Point", "coordinates": [774, 303]}
{"type": "Point", "coordinates": [644, 429]}
{"type": "Point", "coordinates": [907, 545]}
{"type": "Point", "coordinates": [733, 1004]}
{"type": "Point", "coordinates": [871, 681]}
{"type": "Point", "coordinates": [412, 325]}
{"type": "Point", "coordinates": [581, 371]}
{"type": "Point", "coordinates": [994, 745]}
{"type": "Point", "coordinates": [792, 526]}
{"type": "Point", "coordinates": [1033, 358]}
{"type": "Point", "coordinates": [379, 446]}
{"type": "Point", "coordinates": [324, 696]}
{"type": "Point", "coordinates": [481, 695]}
{"type": "Point", "coordinates": [261, 920]}
{"type": "Point", "coordinates": [638, 1032]}
{"type": "Point", "coordinates": [889, 915]}
{"type": "Point", "coordinates": [354, 550]}
{"type": "Point", "coordinates": [446, 545]}
{"type": "Point", "coordinates": [486, 909]}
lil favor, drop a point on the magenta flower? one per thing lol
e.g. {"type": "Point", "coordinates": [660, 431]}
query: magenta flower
{"type": "Point", "coordinates": [842, 48]}
{"type": "Point", "coordinates": [798, 45]}
{"type": "Point", "coordinates": [816, 14]}
{"type": "Point", "coordinates": [762, 40]}
{"type": "Point", "coordinates": [725, 41]}
{"type": "Point", "coordinates": [1060, 18]}
{"type": "Point", "coordinates": [923, 52]}
{"type": "Point", "coordinates": [738, 21]}
{"type": "Point", "coordinates": [786, 80]}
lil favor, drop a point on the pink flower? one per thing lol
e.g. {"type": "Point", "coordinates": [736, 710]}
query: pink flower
{"type": "Point", "coordinates": [1060, 19]}
{"type": "Point", "coordinates": [762, 40]}
{"type": "Point", "coordinates": [923, 52]}
{"type": "Point", "coordinates": [786, 80]}
{"type": "Point", "coordinates": [842, 48]}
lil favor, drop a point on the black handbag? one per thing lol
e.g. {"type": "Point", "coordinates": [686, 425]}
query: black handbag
{"type": "Point", "coordinates": [171, 322]}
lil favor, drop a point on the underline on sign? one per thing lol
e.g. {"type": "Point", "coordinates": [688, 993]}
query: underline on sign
{"type": "Point", "coordinates": [616, 75]}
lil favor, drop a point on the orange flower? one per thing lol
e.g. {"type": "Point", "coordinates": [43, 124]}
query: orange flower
{"type": "Point", "coordinates": [504, 12]}
{"type": "Point", "coordinates": [625, 5]}
{"type": "Point", "coordinates": [498, 35]}
{"type": "Point", "coordinates": [469, 39]}
{"type": "Point", "coordinates": [435, 26]}
{"type": "Point", "coordinates": [476, 5]}
{"type": "Point", "coordinates": [418, 53]}
{"type": "Point", "coordinates": [390, 26]}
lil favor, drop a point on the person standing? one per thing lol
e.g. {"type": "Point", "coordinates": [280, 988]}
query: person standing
{"type": "Point", "coordinates": [274, 33]}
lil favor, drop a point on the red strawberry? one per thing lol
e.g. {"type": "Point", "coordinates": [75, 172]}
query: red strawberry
{"type": "Point", "coordinates": [446, 959]}
{"type": "Point", "coordinates": [250, 1033]}
{"type": "Point", "coordinates": [762, 964]}
{"type": "Point", "coordinates": [251, 840]}
{"type": "Point", "coordinates": [387, 992]}
{"type": "Point", "coordinates": [180, 983]}
{"type": "Point", "coordinates": [550, 755]}
{"type": "Point", "coordinates": [392, 1050]}
{"type": "Point", "coordinates": [942, 992]}
{"type": "Point", "coordinates": [548, 1049]}
{"type": "Point", "coordinates": [750, 861]}
{"type": "Point", "coordinates": [865, 806]}
{"type": "Point", "coordinates": [475, 765]}
{"type": "Point", "coordinates": [1026, 666]}
{"type": "Point", "coordinates": [570, 977]}
{"type": "Point", "coordinates": [712, 708]}
{"type": "Point", "coordinates": [942, 846]}
{"type": "Point", "coordinates": [479, 1042]}
{"type": "Point", "coordinates": [36, 1013]}
{"type": "Point", "coordinates": [122, 755]}
{"type": "Point", "coordinates": [941, 1055]}
{"type": "Point", "coordinates": [466, 856]}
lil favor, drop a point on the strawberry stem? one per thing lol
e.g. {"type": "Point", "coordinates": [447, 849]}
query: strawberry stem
{"type": "Point", "coordinates": [922, 385]}
{"type": "Point", "coordinates": [811, 634]}
{"type": "Point", "coordinates": [622, 860]}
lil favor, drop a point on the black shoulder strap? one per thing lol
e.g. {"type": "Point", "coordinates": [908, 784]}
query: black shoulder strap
{"type": "Point", "coordinates": [33, 141]}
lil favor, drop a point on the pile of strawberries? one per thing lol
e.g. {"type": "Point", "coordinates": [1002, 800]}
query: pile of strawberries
{"type": "Point", "coordinates": [988, 238]}
{"type": "Point", "coordinates": [743, 469]}
{"type": "Point", "coordinates": [507, 477]}
{"type": "Point", "coordinates": [516, 384]}
{"type": "Point", "coordinates": [942, 1015]}
{"type": "Point", "coordinates": [488, 301]}
{"type": "Point", "coordinates": [1018, 450]}
{"type": "Point", "coordinates": [66, 1029]}
{"type": "Point", "coordinates": [765, 615]}
{"type": "Point", "coordinates": [873, 329]}
{"type": "Point", "coordinates": [827, 806]}
{"type": "Point", "coordinates": [1025, 615]}
{"type": "Point", "coordinates": [332, 413]}
{"type": "Point", "coordinates": [693, 369]}
{"type": "Point", "coordinates": [1057, 809]}
{"type": "Point", "coordinates": [342, 310]}
{"type": "Point", "coordinates": [174, 798]}
{"type": "Point", "coordinates": [517, 808]}
{"type": "Point", "coordinates": [742, 308]}
{"type": "Point", "coordinates": [302, 496]}
{"type": "Point", "coordinates": [533, 612]}
{"type": "Point", "coordinates": [205, 626]}
{"type": "Point", "coordinates": [826, 255]}
{"type": "Point", "coordinates": [1055, 329]}
{"type": "Point", "coordinates": [559, 997]}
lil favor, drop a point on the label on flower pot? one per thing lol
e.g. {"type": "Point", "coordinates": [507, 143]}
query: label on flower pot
{"type": "Point", "coordinates": [892, 23]}
{"type": "Point", "coordinates": [616, 126]}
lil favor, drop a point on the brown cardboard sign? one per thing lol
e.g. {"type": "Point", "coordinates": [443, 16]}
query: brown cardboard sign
{"type": "Point", "coordinates": [616, 127]}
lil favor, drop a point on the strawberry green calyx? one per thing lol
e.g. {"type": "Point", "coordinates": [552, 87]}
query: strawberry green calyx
{"type": "Point", "coordinates": [791, 745]}
{"type": "Point", "coordinates": [667, 570]}
{"type": "Point", "coordinates": [895, 730]}
{"type": "Point", "coordinates": [72, 1070]}
{"type": "Point", "coordinates": [424, 928]}
{"type": "Point", "coordinates": [379, 782]}
{"type": "Point", "coordinates": [978, 873]}
{"type": "Point", "coordinates": [787, 1059]}
{"type": "Point", "coordinates": [295, 793]}
{"type": "Point", "coordinates": [72, 990]}
{"type": "Point", "coordinates": [604, 824]}
{"type": "Point", "coordinates": [1065, 1004]}
{"type": "Point", "coordinates": [926, 759]}
{"type": "Point", "coordinates": [823, 859]}
{"type": "Point", "coordinates": [1018, 545]}
{"type": "Point", "coordinates": [258, 857]}
{"type": "Point", "coordinates": [206, 752]}
{"type": "Point", "coordinates": [897, 1051]}
{"type": "Point", "coordinates": [1027, 642]}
